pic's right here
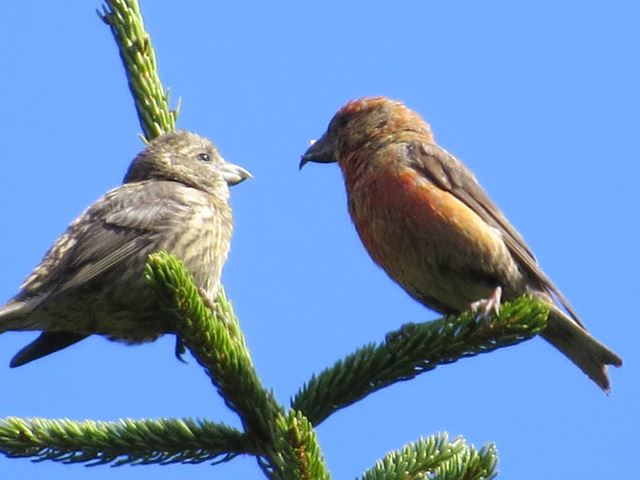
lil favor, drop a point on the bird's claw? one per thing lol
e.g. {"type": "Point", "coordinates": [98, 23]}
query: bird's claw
{"type": "Point", "coordinates": [485, 306]}
{"type": "Point", "coordinates": [180, 349]}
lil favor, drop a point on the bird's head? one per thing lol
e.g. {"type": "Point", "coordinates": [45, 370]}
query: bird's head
{"type": "Point", "coordinates": [187, 158]}
{"type": "Point", "coordinates": [364, 124]}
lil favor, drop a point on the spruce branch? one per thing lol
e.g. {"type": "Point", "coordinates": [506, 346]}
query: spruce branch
{"type": "Point", "coordinates": [136, 442]}
{"type": "Point", "coordinates": [415, 349]}
{"type": "Point", "coordinates": [299, 456]}
{"type": "Point", "coordinates": [139, 60]}
{"type": "Point", "coordinates": [471, 465]}
{"type": "Point", "coordinates": [213, 336]}
{"type": "Point", "coordinates": [435, 458]}
{"type": "Point", "coordinates": [285, 443]}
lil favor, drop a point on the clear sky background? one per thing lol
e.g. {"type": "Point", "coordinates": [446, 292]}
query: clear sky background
{"type": "Point", "coordinates": [540, 99]}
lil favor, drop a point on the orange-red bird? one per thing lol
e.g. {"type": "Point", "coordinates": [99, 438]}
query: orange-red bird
{"type": "Point", "coordinates": [425, 219]}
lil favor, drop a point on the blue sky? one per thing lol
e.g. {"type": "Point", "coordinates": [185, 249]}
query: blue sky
{"type": "Point", "coordinates": [540, 100]}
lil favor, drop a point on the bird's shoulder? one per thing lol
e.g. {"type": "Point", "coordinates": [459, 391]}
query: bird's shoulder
{"type": "Point", "coordinates": [141, 205]}
{"type": "Point", "coordinates": [445, 171]}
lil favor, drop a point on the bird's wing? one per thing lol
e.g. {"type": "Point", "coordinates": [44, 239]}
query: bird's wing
{"type": "Point", "coordinates": [448, 173]}
{"type": "Point", "coordinates": [121, 224]}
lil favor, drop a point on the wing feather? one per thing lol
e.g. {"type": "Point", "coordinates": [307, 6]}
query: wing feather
{"type": "Point", "coordinates": [448, 173]}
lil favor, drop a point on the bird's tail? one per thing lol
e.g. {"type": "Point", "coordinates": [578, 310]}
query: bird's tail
{"type": "Point", "coordinates": [14, 316]}
{"type": "Point", "coordinates": [591, 356]}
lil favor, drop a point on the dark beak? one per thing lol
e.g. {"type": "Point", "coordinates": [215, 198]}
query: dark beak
{"type": "Point", "coordinates": [321, 151]}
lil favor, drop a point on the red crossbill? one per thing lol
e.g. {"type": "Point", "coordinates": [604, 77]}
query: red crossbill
{"type": "Point", "coordinates": [425, 219]}
{"type": "Point", "coordinates": [91, 281]}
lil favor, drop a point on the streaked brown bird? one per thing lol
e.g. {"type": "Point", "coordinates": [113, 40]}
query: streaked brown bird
{"type": "Point", "coordinates": [425, 219]}
{"type": "Point", "coordinates": [174, 197]}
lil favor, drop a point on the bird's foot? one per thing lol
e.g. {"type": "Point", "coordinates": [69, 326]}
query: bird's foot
{"type": "Point", "coordinates": [486, 306]}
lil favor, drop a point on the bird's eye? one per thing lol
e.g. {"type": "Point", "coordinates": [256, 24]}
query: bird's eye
{"type": "Point", "coordinates": [339, 121]}
{"type": "Point", "coordinates": [204, 157]}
